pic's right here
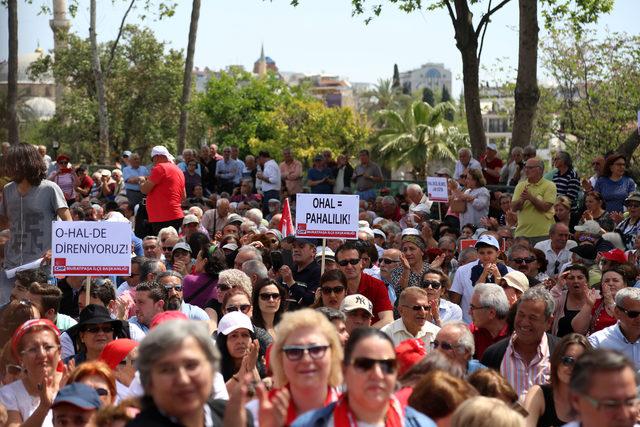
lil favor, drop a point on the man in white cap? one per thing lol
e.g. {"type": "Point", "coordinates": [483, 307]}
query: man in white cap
{"type": "Point", "coordinates": [491, 165]}
{"type": "Point", "coordinates": [358, 310]}
{"type": "Point", "coordinates": [165, 191]}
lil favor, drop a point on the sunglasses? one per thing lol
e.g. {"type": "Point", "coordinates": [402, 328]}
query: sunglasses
{"type": "Point", "coordinates": [345, 262]}
{"type": "Point", "coordinates": [364, 364]}
{"type": "Point", "coordinates": [444, 345]}
{"type": "Point", "coordinates": [223, 287]}
{"type": "Point", "coordinates": [527, 260]}
{"type": "Point", "coordinates": [418, 307]}
{"type": "Point", "coordinates": [167, 248]}
{"type": "Point", "coordinates": [242, 307]}
{"type": "Point", "coordinates": [630, 314]}
{"type": "Point", "coordinates": [326, 290]}
{"type": "Point", "coordinates": [388, 261]}
{"type": "Point", "coordinates": [270, 296]}
{"type": "Point", "coordinates": [430, 284]}
{"type": "Point", "coordinates": [177, 288]}
{"type": "Point", "coordinates": [296, 352]}
{"type": "Point", "coordinates": [568, 360]}
{"type": "Point", "coordinates": [97, 329]}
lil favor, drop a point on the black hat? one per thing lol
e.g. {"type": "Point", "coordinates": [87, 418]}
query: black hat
{"type": "Point", "coordinates": [586, 251]}
{"type": "Point", "coordinates": [94, 314]}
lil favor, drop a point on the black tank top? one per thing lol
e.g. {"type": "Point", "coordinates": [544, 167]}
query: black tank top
{"type": "Point", "coordinates": [564, 325]}
{"type": "Point", "coordinates": [549, 418]}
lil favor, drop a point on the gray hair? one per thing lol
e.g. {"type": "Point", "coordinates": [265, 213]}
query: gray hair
{"type": "Point", "coordinates": [147, 238]}
{"type": "Point", "coordinates": [464, 150]}
{"type": "Point", "coordinates": [150, 266]}
{"type": "Point", "coordinates": [466, 255]}
{"type": "Point", "coordinates": [446, 239]}
{"type": "Point", "coordinates": [170, 273]}
{"type": "Point", "coordinates": [466, 340]}
{"type": "Point", "coordinates": [566, 158]}
{"type": "Point", "coordinates": [529, 150]}
{"type": "Point", "coordinates": [415, 187]}
{"type": "Point", "coordinates": [517, 150]}
{"type": "Point", "coordinates": [596, 361]}
{"type": "Point", "coordinates": [165, 339]}
{"type": "Point", "coordinates": [254, 266]}
{"type": "Point", "coordinates": [493, 296]}
{"type": "Point", "coordinates": [632, 293]}
{"type": "Point", "coordinates": [332, 314]}
{"type": "Point", "coordinates": [167, 230]}
{"type": "Point", "coordinates": [540, 293]}
{"type": "Point", "coordinates": [255, 251]}
{"type": "Point", "coordinates": [236, 278]}
{"type": "Point", "coordinates": [255, 215]}
{"type": "Point", "coordinates": [220, 201]}
{"type": "Point", "coordinates": [517, 248]}
{"type": "Point", "coordinates": [389, 200]}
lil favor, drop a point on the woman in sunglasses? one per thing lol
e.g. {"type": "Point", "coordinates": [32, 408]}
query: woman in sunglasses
{"type": "Point", "coordinates": [269, 302]}
{"type": "Point", "coordinates": [332, 290]}
{"type": "Point", "coordinates": [237, 299]}
{"type": "Point", "coordinates": [437, 284]}
{"type": "Point", "coordinates": [100, 377]}
{"type": "Point", "coordinates": [305, 360]}
{"type": "Point", "coordinates": [549, 404]}
{"type": "Point", "coordinates": [370, 373]}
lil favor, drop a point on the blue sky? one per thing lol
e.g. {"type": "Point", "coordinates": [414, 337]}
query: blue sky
{"type": "Point", "coordinates": [317, 36]}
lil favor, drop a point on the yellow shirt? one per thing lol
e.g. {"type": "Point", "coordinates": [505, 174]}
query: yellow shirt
{"type": "Point", "coordinates": [532, 222]}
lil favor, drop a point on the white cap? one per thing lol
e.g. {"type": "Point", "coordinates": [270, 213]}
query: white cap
{"type": "Point", "coordinates": [411, 232]}
{"type": "Point", "coordinates": [356, 302]}
{"type": "Point", "coordinates": [378, 232]}
{"type": "Point", "coordinates": [231, 246]}
{"type": "Point", "coordinates": [328, 253]}
{"type": "Point", "coordinates": [488, 239]}
{"type": "Point", "coordinates": [590, 227]}
{"type": "Point", "coordinates": [362, 223]}
{"type": "Point", "coordinates": [367, 230]}
{"type": "Point", "coordinates": [191, 218]}
{"type": "Point", "coordinates": [492, 146]}
{"type": "Point", "coordinates": [161, 150]}
{"type": "Point", "coordinates": [232, 321]}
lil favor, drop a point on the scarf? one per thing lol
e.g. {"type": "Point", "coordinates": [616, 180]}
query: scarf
{"type": "Point", "coordinates": [343, 417]}
{"type": "Point", "coordinates": [332, 396]}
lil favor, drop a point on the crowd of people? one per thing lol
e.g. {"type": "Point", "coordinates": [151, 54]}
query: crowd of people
{"type": "Point", "coordinates": [517, 303]}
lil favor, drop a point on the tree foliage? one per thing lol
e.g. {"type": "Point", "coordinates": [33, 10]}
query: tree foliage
{"type": "Point", "coordinates": [428, 97]}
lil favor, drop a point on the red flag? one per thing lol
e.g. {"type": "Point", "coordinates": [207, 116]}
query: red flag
{"type": "Point", "coordinates": [286, 224]}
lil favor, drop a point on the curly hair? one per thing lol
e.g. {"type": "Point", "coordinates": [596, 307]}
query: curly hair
{"type": "Point", "coordinates": [24, 162]}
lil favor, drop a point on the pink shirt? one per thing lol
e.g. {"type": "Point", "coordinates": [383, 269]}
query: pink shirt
{"type": "Point", "coordinates": [522, 376]}
{"type": "Point", "coordinates": [292, 175]}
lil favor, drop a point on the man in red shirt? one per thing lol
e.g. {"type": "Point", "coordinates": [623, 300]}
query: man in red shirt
{"type": "Point", "coordinates": [165, 191]}
{"type": "Point", "coordinates": [491, 165]}
{"type": "Point", "coordinates": [348, 257]}
{"type": "Point", "coordinates": [489, 309]}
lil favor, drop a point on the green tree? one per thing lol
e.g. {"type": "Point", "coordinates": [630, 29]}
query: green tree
{"type": "Point", "coordinates": [396, 78]}
{"type": "Point", "coordinates": [427, 96]}
{"type": "Point", "coordinates": [417, 136]}
{"type": "Point", "coordinates": [446, 97]}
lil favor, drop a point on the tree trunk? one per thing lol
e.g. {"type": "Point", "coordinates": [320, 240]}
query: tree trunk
{"type": "Point", "coordinates": [526, 93]}
{"type": "Point", "coordinates": [12, 77]}
{"type": "Point", "coordinates": [188, 69]}
{"type": "Point", "coordinates": [629, 145]}
{"type": "Point", "coordinates": [103, 115]}
{"type": "Point", "coordinates": [467, 44]}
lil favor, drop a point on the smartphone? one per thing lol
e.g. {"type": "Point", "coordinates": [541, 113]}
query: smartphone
{"type": "Point", "coordinates": [276, 260]}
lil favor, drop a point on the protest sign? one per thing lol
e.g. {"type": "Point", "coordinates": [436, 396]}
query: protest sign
{"type": "Point", "coordinates": [329, 216]}
{"type": "Point", "coordinates": [437, 189]}
{"type": "Point", "coordinates": [90, 248]}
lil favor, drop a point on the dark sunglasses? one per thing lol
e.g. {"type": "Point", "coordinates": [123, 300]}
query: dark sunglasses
{"type": "Point", "coordinates": [527, 260]}
{"type": "Point", "coordinates": [418, 307]}
{"type": "Point", "coordinates": [268, 297]}
{"type": "Point", "coordinates": [345, 262]}
{"type": "Point", "coordinates": [177, 288]}
{"type": "Point", "coordinates": [444, 345]}
{"type": "Point", "coordinates": [388, 261]}
{"type": "Point", "coordinates": [296, 352]}
{"type": "Point", "coordinates": [364, 364]}
{"type": "Point", "coordinates": [326, 290]}
{"type": "Point", "coordinates": [430, 284]}
{"type": "Point", "coordinates": [568, 360]}
{"type": "Point", "coordinates": [167, 248]}
{"type": "Point", "coordinates": [630, 314]}
{"type": "Point", "coordinates": [97, 329]}
{"type": "Point", "coordinates": [242, 307]}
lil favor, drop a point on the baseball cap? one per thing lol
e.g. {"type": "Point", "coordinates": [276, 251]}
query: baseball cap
{"type": "Point", "coordinates": [308, 241]}
{"type": "Point", "coordinates": [328, 254]}
{"type": "Point", "coordinates": [488, 240]}
{"type": "Point", "coordinates": [79, 395]}
{"type": "Point", "coordinates": [356, 302]}
{"type": "Point", "coordinates": [181, 245]}
{"type": "Point", "coordinates": [492, 146]}
{"type": "Point", "coordinates": [126, 153]}
{"type": "Point", "coordinates": [586, 251]}
{"type": "Point", "coordinates": [615, 255]}
{"type": "Point", "coordinates": [378, 232]}
{"type": "Point", "coordinates": [233, 218]}
{"type": "Point", "coordinates": [161, 150]}
{"type": "Point", "coordinates": [590, 227]}
{"type": "Point", "coordinates": [189, 219]}
{"type": "Point", "coordinates": [408, 353]}
{"type": "Point", "coordinates": [517, 280]}
{"type": "Point", "coordinates": [422, 208]}
{"type": "Point", "coordinates": [166, 316]}
{"type": "Point", "coordinates": [633, 197]}
{"type": "Point", "coordinates": [115, 352]}
{"type": "Point", "coordinates": [232, 321]}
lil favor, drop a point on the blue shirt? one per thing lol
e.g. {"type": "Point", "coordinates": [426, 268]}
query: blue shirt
{"type": "Point", "coordinates": [227, 170]}
{"type": "Point", "coordinates": [612, 338]}
{"type": "Point", "coordinates": [449, 311]}
{"type": "Point", "coordinates": [614, 192]}
{"type": "Point", "coordinates": [129, 172]}
{"type": "Point", "coordinates": [183, 168]}
{"type": "Point", "coordinates": [241, 167]}
{"type": "Point", "coordinates": [316, 175]}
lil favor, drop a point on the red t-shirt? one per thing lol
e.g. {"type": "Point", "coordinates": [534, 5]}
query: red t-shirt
{"type": "Point", "coordinates": [603, 320]}
{"type": "Point", "coordinates": [86, 183]}
{"type": "Point", "coordinates": [377, 293]}
{"type": "Point", "coordinates": [493, 164]}
{"type": "Point", "coordinates": [483, 338]}
{"type": "Point", "coordinates": [164, 200]}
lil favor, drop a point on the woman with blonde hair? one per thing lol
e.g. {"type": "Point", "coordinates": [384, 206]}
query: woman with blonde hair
{"type": "Point", "coordinates": [562, 208]}
{"type": "Point", "coordinates": [483, 411]}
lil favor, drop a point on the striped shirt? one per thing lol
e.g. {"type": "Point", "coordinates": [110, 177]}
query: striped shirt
{"type": "Point", "coordinates": [522, 376]}
{"type": "Point", "coordinates": [567, 184]}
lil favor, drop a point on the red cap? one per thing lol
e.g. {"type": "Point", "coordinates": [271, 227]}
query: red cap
{"type": "Point", "coordinates": [165, 316]}
{"type": "Point", "coordinates": [115, 352]}
{"type": "Point", "coordinates": [408, 353]}
{"type": "Point", "coordinates": [25, 328]}
{"type": "Point", "coordinates": [615, 255]}
{"type": "Point", "coordinates": [62, 157]}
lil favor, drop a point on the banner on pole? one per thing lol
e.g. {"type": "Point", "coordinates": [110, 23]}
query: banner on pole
{"type": "Point", "coordinates": [327, 216]}
{"type": "Point", "coordinates": [437, 189]}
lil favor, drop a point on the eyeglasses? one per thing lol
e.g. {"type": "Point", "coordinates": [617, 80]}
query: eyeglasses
{"type": "Point", "coordinates": [270, 296]}
{"type": "Point", "coordinates": [33, 351]}
{"type": "Point", "coordinates": [98, 329]}
{"type": "Point", "coordinates": [630, 314]}
{"type": "Point", "coordinates": [223, 287]}
{"type": "Point", "coordinates": [611, 405]}
{"type": "Point", "coordinates": [364, 364]}
{"type": "Point", "coordinates": [352, 261]}
{"type": "Point", "coordinates": [431, 284]}
{"type": "Point", "coordinates": [444, 345]}
{"type": "Point", "coordinates": [177, 288]}
{"type": "Point", "coordinates": [327, 290]}
{"type": "Point", "coordinates": [527, 260]}
{"type": "Point", "coordinates": [296, 352]}
{"type": "Point", "coordinates": [242, 307]}
{"type": "Point", "coordinates": [388, 260]}
{"type": "Point", "coordinates": [568, 360]}
{"type": "Point", "coordinates": [417, 307]}
{"type": "Point", "coordinates": [475, 307]}
{"type": "Point", "coordinates": [167, 248]}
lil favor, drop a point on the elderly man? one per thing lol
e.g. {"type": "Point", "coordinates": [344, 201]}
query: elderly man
{"type": "Point", "coordinates": [455, 342]}
{"type": "Point", "coordinates": [245, 253]}
{"type": "Point", "coordinates": [389, 261]}
{"type": "Point", "coordinates": [152, 248]}
{"type": "Point", "coordinates": [448, 247]}
{"type": "Point", "coordinates": [366, 175]}
{"type": "Point", "coordinates": [226, 171]}
{"type": "Point", "coordinates": [598, 167]}
{"type": "Point", "coordinates": [489, 309]}
{"type": "Point", "coordinates": [491, 164]}
{"type": "Point", "coordinates": [565, 177]}
{"type": "Point", "coordinates": [358, 311]}
{"type": "Point", "coordinates": [188, 155]}
{"type": "Point", "coordinates": [303, 281]}
{"type": "Point", "coordinates": [291, 172]}
{"type": "Point", "coordinates": [523, 260]}
{"type": "Point", "coordinates": [342, 174]}
{"type": "Point", "coordinates": [624, 336]}
{"type": "Point", "coordinates": [172, 282]}
{"type": "Point", "coordinates": [465, 161]}
{"type": "Point", "coordinates": [133, 176]}
{"type": "Point", "coordinates": [533, 200]}
{"type": "Point", "coordinates": [165, 190]}
{"type": "Point", "coordinates": [390, 209]}
{"type": "Point", "coordinates": [524, 357]}
{"type": "Point", "coordinates": [214, 220]}
{"type": "Point", "coordinates": [512, 171]}
{"type": "Point", "coordinates": [557, 248]}
{"type": "Point", "coordinates": [416, 196]}
{"type": "Point", "coordinates": [414, 309]}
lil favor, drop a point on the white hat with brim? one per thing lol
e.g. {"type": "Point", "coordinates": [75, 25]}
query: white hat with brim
{"type": "Point", "coordinates": [233, 321]}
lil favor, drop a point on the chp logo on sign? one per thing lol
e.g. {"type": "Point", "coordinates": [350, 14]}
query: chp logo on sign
{"type": "Point", "coordinates": [327, 216]}
{"type": "Point", "coordinates": [437, 189]}
{"type": "Point", "coordinates": [89, 248]}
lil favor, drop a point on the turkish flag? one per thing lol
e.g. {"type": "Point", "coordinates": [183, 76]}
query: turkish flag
{"type": "Point", "coordinates": [286, 224]}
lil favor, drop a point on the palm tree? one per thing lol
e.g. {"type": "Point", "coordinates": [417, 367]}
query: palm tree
{"type": "Point", "coordinates": [383, 97]}
{"type": "Point", "coordinates": [419, 135]}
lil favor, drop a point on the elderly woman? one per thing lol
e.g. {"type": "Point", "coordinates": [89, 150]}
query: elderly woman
{"type": "Point", "coordinates": [614, 185]}
{"type": "Point", "coordinates": [227, 280]}
{"type": "Point", "coordinates": [177, 362]}
{"type": "Point", "coordinates": [414, 263]}
{"type": "Point", "coordinates": [437, 284]}
{"type": "Point", "coordinates": [305, 360]}
{"type": "Point", "coordinates": [36, 345]}
{"type": "Point", "coordinates": [370, 372]}
{"type": "Point", "coordinates": [476, 196]}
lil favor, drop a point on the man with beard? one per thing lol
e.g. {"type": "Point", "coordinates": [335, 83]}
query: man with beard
{"type": "Point", "coordinates": [172, 282]}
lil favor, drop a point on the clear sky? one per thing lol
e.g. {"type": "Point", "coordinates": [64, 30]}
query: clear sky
{"type": "Point", "coordinates": [317, 36]}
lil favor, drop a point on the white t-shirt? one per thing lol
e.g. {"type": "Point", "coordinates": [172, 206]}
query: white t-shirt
{"type": "Point", "coordinates": [15, 397]}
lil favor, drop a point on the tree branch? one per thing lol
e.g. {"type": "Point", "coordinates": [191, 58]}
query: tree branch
{"type": "Point", "coordinates": [112, 53]}
{"type": "Point", "coordinates": [451, 14]}
{"type": "Point", "coordinates": [484, 31]}
{"type": "Point", "coordinates": [485, 18]}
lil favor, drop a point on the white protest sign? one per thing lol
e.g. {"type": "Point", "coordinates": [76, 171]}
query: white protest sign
{"type": "Point", "coordinates": [437, 189]}
{"type": "Point", "coordinates": [330, 216]}
{"type": "Point", "coordinates": [90, 248]}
